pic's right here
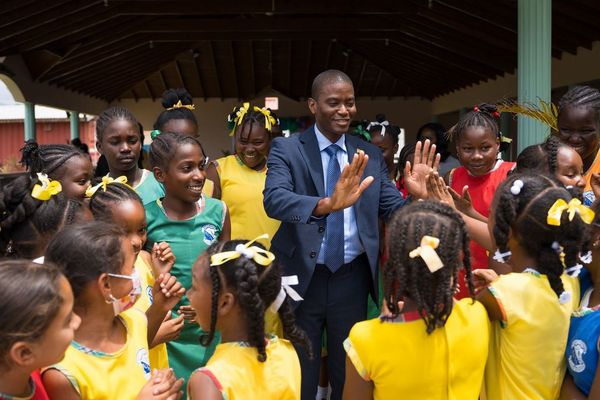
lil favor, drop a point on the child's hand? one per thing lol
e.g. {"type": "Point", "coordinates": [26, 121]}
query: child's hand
{"type": "Point", "coordinates": [162, 258]}
{"type": "Point", "coordinates": [162, 385]}
{"type": "Point", "coordinates": [169, 330]}
{"type": "Point", "coordinates": [167, 292]}
{"type": "Point", "coordinates": [189, 314]}
{"type": "Point", "coordinates": [482, 278]}
{"type": "Point", "coordinates": [595, 184]}
{"type": "Point", "coordinates": [425, 162]}
{"type": "Point", "coordinates": [463, 203]}
{"type": "Point", "coordinates": [437, 189]}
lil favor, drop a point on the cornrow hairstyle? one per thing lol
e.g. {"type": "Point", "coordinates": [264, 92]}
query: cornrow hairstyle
{"type": "Point", "coordinates": [31, 300]}
{"type": "Point", "coordinates": [484, 115]}
{"type": "Point", "coordinates": [391, 130]}
{"type": "Point", "coordinates": [164, 147]}
{"type": "Point", "coordinates": [256, 288]}
{"type": "Point", "coordinates": [525, 215]}
{"type": "Point", "coordinates": [47, 158]}
{"type": "Point", "coordinates": [441, 139]}
{"type": "Point", "coordinates": [85, 251]}
{"type": "Point", "coordinates": [410, 277]}
{"type": "Point", "coordinates": [250, 118]}
{"type": "Point", "coordinates": [102, 201]}
{"type": "Point", "coordinates": [27, 224]}
{"type": "Point", "coordinates": [552, 145]}
{"type": "Point", "coordinates": [110, 115]}
{"type": "Point", "coordinates": [533, 159]}
{"type": "Point", "coordinates": [171, 97]}
{"type": "Point", "coordinates": [581, 96]}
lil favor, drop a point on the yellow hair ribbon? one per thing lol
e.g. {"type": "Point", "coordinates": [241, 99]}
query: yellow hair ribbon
{"type": "Point", "coordinates": [106, 180]}
{"type": "Point", "coordinates": [427, 252]}
{"type": "Point", "coordinates": [47, 189]}
{"type": "Point", "coordinates": [574, 206]}
{"type": "Point", "coordinates": [260, 256]}
{"type": "Point", "coordinates": [269, 119]}
{"type": "Point", "coordinates": [239, 117]}
{"type": "Point", "coordinates": [179, 105]}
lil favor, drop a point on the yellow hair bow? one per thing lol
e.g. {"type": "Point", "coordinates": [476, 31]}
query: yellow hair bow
{"type": "Point", "coordinates": [574, 206]}
{"type": "Point", "coordinates": [260, 256]}
{"type": "Point", "coordinates": [106, 180]}
{"type": "Point", "coordinates": [427, 252]}
{"type": "Point", "coordinates": [47, 189]}
{"type": "Point", "coordinates": [269, 119]}
{"type": "Point", "coordinates": [239, 116]}
{"type": "Point", "coordinates": [179, 105]}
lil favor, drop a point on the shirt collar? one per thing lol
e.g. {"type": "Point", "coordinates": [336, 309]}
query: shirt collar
{"type": "Point", "coordinates": [325, 143]}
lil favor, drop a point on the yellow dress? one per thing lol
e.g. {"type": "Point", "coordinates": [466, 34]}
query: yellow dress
{"type": "Point", "coordinates": [404, 362]}
{"type": "Point", "coordinates": [242, 191]}
{"type": "Point", "coordinates": [159, 358]}
{"type": "Point", "coordinates": [238, 375]}
{"type": "Point", "coordinates": [527, 348]}
{"type": "Point", "coordinates": [120, 375]}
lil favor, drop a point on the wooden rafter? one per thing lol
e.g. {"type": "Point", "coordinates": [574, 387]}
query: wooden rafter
{"type": "Point", "coordinates": [213, 58]}
{"type": "Point", "coordinates": [235, 79]}
{"type": "Point", "coordinates": [149, 89]}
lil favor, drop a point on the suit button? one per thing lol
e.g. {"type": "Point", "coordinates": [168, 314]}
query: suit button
{"type": "Point", "coordinates": [321, 229]}
{"type": "Point", "coordinates": [313, 254]}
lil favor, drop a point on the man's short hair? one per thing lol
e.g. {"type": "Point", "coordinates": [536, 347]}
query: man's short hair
{"type": "Point", "coordinates": [328, 77]}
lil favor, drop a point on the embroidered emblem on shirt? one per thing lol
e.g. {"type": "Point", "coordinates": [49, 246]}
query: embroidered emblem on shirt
{"type": "Point", "coordinates": [578, 349]}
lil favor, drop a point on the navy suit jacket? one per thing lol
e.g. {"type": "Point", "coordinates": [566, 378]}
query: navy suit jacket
{"type": "Point", "coordinates": [293, 188]}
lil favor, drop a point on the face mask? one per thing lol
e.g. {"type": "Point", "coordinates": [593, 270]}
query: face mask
{"type": "Point", "coordinates": [127, 301]}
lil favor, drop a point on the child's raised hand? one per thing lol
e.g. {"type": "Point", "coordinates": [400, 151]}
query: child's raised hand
{"type": "Point", "coordinates": [482, 278]}
{"type": "Point", "coordinates": [167, 291]}
{"type": "Point", "coordinates": [595, 184]}
{"type": "Point", "coordinates": [425, 162]}
{"type": "Point", "coordinates": [189, 314]}
{"type": "Point", "coordinates": [169, 329]}
{"type": "Point", "coordinates": [162, 257]}
{"type": "Point", "coordinates": [463, 202]}
{"type": "Point", "coordinates": [162, 385]}
{"type": "Point", "coordinates": [437, 189]}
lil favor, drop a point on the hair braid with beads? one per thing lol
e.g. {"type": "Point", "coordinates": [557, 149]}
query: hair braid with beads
{"type": "Point", "coordinates": [102, 201]}
{"type": "Point", "coordinates": [525, 216]}
{"type": "Point", "coordinates": [406, 277]}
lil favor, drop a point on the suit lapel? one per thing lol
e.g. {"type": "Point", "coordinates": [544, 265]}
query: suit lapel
{"type": "Point", "coordinates": [309, 148]}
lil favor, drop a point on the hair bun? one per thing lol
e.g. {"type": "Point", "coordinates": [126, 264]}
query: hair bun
{"type": "Point", "coordinates": [170, 97]}
{"type": "Point", "coordinates": [30, 153]}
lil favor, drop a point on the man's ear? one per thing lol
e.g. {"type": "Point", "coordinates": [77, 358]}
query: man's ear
{"type": "Point", "coordinates": [312, 105]}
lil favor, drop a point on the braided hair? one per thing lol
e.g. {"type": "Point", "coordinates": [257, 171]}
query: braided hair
{"type": "Point", "coordinates": [250, 118]}
{"type": "Point", "coordinates": [164, 146]}
{"type": "Point", "coordinates": [525, 216]}
{"type": "Point", "coordinates": [410, 277]}
{"type": "Point", "coordinates": [170, 98]}
{"type": "Point", "coordinates": [484, 115]}
{"type": "Point", "coordinates": [27, 224]}
{"type": "Point", "coordinates": [102, 201]}
{"type": "Point", "coordinates": [581, 96]}
{"type": "Point", "coordinates": [48, 158]}
{"type": "Point", "coordinates": [110, 115]}
{"type": "Point", "coordinates": [255, 288]}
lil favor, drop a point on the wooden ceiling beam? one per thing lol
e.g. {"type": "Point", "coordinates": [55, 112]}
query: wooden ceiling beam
{"type": "Point", "coordinates": [149, 89]}
{"type": "Point", "coordinates": [181, 77]}
{"type": "Point", "coordinates": [377, 82]}
{"type": "Point", "coordinates": [213, 58]}
{"type": "Point", "coordinates": [327, 58]}
{"type": "Point", "coordinates": [23, 14]}
{"type": "Point", "coordinates": [195, 58]}
{"type": "Point", "coordinates": [163, 80]}
{"type": "Point", "coordinates": [308, 63]}
{"type": "Point", "coordinates": [363, 68]}
{"type": "Point", "coordinates": [290, 63]}
{"type": "Point", "coordinates": [253, 69]}
{"type": "Point", "coordinates": [236, 83]}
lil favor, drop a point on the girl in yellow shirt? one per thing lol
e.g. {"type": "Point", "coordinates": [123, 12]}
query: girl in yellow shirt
{"type": "Point", "coordinates": [233, 283]}
{"type": "Point", "coordinates": [118, 203]}
{"type": "Point", "coordinates": [108, 358]}
{"type": "Point", "coordinates": [535, 222]}
{"type": "Point", "coordinates": [429, 346]}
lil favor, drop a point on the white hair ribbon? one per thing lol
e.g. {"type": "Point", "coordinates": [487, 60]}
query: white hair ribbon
{"type": "Point", "coordinates": [286, 290]}
{"type": "Point", "coordinates": [382, 124]}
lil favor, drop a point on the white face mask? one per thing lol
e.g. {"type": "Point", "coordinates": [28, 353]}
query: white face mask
{"type": "Point", "coordinates": [127, 301]}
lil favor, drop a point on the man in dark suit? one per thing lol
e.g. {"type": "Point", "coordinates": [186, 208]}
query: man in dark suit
{"type": "Point", "coordinates": [329, 215]}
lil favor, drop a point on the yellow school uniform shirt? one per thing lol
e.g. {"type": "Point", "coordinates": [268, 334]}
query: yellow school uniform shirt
{"type": "Point", "coordinates": [242, 191]}
{"type": "Point", "coordinates": [404, 362]}
{"type": "Point", "coordinates": [593, 169]}
{"type": "Point", "coordinates": [238, 375]}
{"type": "Point", "coordinates": [527, 348]}
{"type": "Point", "coordinates": [159, 358]}
{"type": "Point", "coordinates": [101, 376]}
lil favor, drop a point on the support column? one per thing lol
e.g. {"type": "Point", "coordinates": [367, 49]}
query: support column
{"type": "Point", "coordinates": [534, 65]}
{"type": "Point", "coordinates": [29, 121]}
{"type": "Point", "coordinates": [74, 116]}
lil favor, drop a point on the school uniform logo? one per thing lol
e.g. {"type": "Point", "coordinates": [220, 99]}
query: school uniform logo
{"type": "Point", "coordinates": [150, 295]}
{"type": "Point", "coordinates": [210, 234]}
{"type": "Point", "coordinates": [578, 350]}
{"type": "Point", "coordinates": [144, 361]}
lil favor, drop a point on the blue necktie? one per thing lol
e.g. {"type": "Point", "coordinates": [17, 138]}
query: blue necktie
{"type": "Point", "coordinates": [334, 234]}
